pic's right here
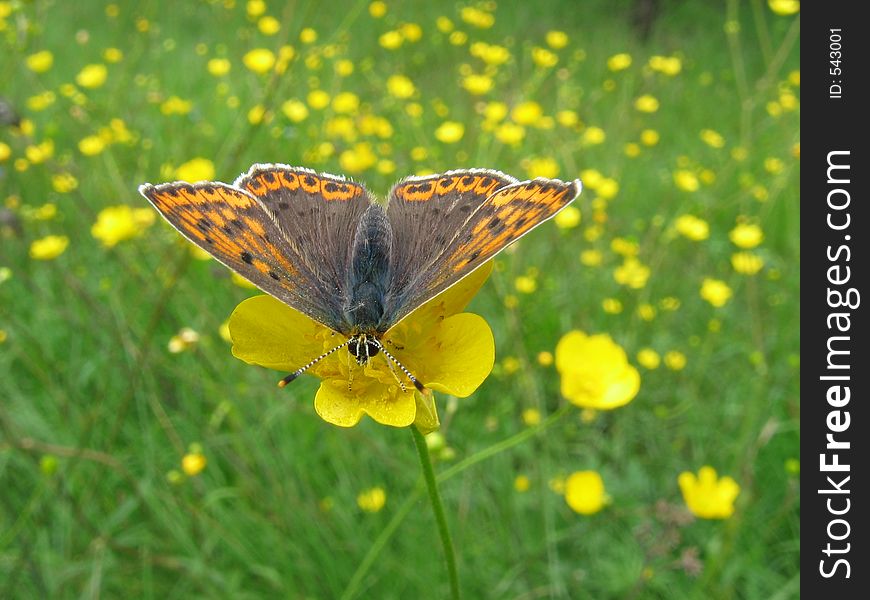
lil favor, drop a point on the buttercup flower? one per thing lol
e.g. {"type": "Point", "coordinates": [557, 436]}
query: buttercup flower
{"type": "Point", "coordinates": [595, 371]}
{"type": "Point", "coordinates": [49, 247]}
{"type": "Point", "coordinates": [746, 235]}
{"type": "Point", "coordinates": [197, 169]}
{"type": "Point", "coordinates": [706, 495]}
{"type": "Point", "coordinates": [372, 500]}
{"type": "Point", "coordinates": [584, 492]}
{"type": "Point", "coordinates": [193, 463]}
{"type": "Point", "coordinates": [92, 76]}
{"type": "Point", "coordinates": [692, 227]}
{"type": "Point", "coordinates": [446, 350]}
{"type": "Point", "coordinates": [117, 223]}
{"type": "Point", "coordinates": [715, 291]}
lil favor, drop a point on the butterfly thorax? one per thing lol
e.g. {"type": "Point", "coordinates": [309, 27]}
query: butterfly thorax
{"type": "Point", "coordinates": [369, 274]}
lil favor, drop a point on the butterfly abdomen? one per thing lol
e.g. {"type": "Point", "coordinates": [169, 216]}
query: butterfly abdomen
{"type": "Point", "coordinates": [369, 274]}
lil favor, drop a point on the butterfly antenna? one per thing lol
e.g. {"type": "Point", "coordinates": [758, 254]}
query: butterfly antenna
{"type": "Point", "coordinates": [301, 370]}
{"type": "Point", "coordinates": [392, 358]}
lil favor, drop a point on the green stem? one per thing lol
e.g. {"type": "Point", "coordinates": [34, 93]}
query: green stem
{"type": "Point", "coordinates": [438, 509]}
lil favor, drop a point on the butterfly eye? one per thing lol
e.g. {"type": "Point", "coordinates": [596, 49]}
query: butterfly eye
{"type": "Point", "coordinates": [363, 348]}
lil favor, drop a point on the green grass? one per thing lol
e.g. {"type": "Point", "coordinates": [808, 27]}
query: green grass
{"type": "Point", "coordinates": [95, 412]}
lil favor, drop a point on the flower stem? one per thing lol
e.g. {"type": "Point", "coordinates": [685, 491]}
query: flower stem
{"type": "Point", "coordinates": [438, 510]}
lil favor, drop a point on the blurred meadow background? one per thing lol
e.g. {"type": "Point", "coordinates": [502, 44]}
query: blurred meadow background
{"type": "Point", "coordinates": [138, 458]}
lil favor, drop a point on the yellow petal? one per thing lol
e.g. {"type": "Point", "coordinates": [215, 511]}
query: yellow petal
{"type": "Point", "coordinates": [269, 333]}
{"type": "Point", "coordinates": [383, 403]}
{"type": "Point", "coordinates": [460, 357]}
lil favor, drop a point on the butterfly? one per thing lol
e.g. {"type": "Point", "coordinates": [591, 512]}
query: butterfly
{"type": "Point", "coordinates": [324, 246]}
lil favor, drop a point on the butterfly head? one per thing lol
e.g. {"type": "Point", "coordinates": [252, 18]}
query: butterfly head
{"type": "Point", "coordinates": [363, 347]}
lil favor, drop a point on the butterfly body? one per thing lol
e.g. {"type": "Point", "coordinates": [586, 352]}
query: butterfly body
{"type": "Point", "coordinates": [322, 245]}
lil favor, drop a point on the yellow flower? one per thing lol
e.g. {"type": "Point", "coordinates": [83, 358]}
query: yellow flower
{"type": "Point", "coordinates": [746, 235]}
{"type": "Point", "coordinates": [544, 58]}
{"type": "Point", "coordinates": [648, 358]}
{"type": "Point", "coordinates": [295, 110]}
{"type": "Point", "coordinates": [556, 39]}
{"type": "Point", "coordinates": [117, 223]}
{"type": "Point", "coordinates": [525, 284]}
{"type": "Point", "coordinates": [49, 247]}
{"type": "Point", "coordinates": [477, 17]}
{"type": "Point", "coordinates": [5, 151]}
{"type": "Point", "coordinates": [411, 32]}
{"type": "Point", "coordinates": [185, 339]}
{"type": "Point", "coordinates": [607, 188]}
{"type": "Point", "coordinates": [707, 495]}
{"type": "Point", "coordinates": [197, 169]}
{"type": "Point", "coordinates": [491, 54]}
{"type": "Point", "coordinates": [477, 84]}
{"type": "Point", "coordinates": [400, 86]}
{"type": "Point", "coordinates": [372, 500]}
{"type": "Point", "coordinates": [531, 416]}
{"type": "Point", "coordinates": [567, 118]}
{"type": "Point", "coordinates": [522, 483]}
{"type": "Point", "coordinates": [692, 227]}
{"type": "Point", "coordinates": [269, 25]}
{"type": "Point", "coordinates": [619, 62]}
{"type": "Point", "coordinates": [92, 76]}
{"type": "Point", "coordinates": [344, 67]}
{"type": "Point", "coordinates": [175, 106]}
{"type": "Point", "coordinates": [345, 103]}
{"type": "Point", "coordinates": [40, 62]}
{"type": "Point", "coordinates": [218, 66]}
{"type": "Point", "coordinates": [64, 183]}
{"type": "Point", "coordinates": [91, 145]}
{"type": "Point", "coordinates": [649, 137]}
{"type": "Point", "coordinates": [686, 180]}
{"type": "Point", "coordinates": [632, 273]}
{"type": "Point", "coordinates": [712, 138]}
{"type": "Point", "coordinates": [746, 263]}
{"type": "Point", "coordinates": [113, 55]}
{"type": "Point", "coordinates": [510, 133]}
{"type": "Point", "coordinates": [567, 218]}
{"type": "Point", "coordinates": [255, 8]}
{"type": "Point", "coordinates": [450, 132]}
{"type": "Point", "coordinates": [193, 463]}
{"type": "Point", "coordinates": [784, 8]}
{"type": "Point", "coordinates": [593, 136]}
{"type": "Point", "coordinates": [390, 40]}
{"type": "Point", "coordinates": [542, 167]}
{"type": "Point", "coordinates": [259, 60]}
{"type": "Point", "coordinates": [669, 65]}
{"type": "Point", "coordinates": [358, 158]}
{"type": "Point", "coordinates": [308, 36]}
{"type": "Point", "coordinates": [38, 153]}
{"type": "Point", "coordinates": [584, 492]}
{"type": "Point", "coordinates": [646, 103]}
{"type": "Point", "coordinates": [377, 9]}
{"type": "Point", "coordinates": [318, 99]}
{"type": "Point", "coordinates": [446, 350]}
{"type": "Point", "coordinates": [527, 113]}
{"type": "Point", "coordinates": [715, 291]}
{"type": "Point", "coordinates": [675, 360]}
{"type": "Point", "coordinates": [590, 258]}
{"type": "Point", "coordinates": [595, 371]}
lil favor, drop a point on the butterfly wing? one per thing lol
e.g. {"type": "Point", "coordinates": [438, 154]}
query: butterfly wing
{"type": "Point", "coordinates": [446, 226]}
{"type": "Point", "coordinates": [238, 229]}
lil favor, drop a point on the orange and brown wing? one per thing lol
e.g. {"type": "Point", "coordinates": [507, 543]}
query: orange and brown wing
{"type": "Point", "coordinates": [504, 215]}
{"type": "Point", "coordinates": [236, 229]}
{"type": "Point", "coordinates": [319, 212]}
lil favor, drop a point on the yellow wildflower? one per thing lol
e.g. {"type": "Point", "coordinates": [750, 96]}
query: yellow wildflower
{"type": "Point", "coordinates": [450, 132]}
{"type": "Point", "coordinates": [784, 8]}
{"type": "Point", "coordinates": [269, 25]}
{"type": "Point", "coordinates": [646, 103]}
{"type": "Point", "coordinates": [175, 106]}
{"type": "Point", "coordinates": [259, 60]}
{"type": "Point", "coordinates": [267, 332]}
{"type": "Point", "coordinates": [113, 55]}
{"type": "Point", "coordinates": [49, 247]}
{"type": "Point", "coordinates": [567, 218]}
{"type": "Point", "coordinates": [707, 495]}
{"type": "Point", "coordinates": [675, 360]}
{"type": "Point", "coordinates": [632, 273]}
{"type": "Point", "coordinates": [669, 65]}
{"type": "Point", "coordinates": [531, 417]}
{"type": "Point", "coordinates": [715, 291]}
{"type": "Point", "coordinates": [255, 8]}
{"type": "Point", "coordinates": [377, 9]}
{"type": "Point", "coordinates": [593, 136]}
{"type": "Point", "coordinates": [390, 40]}
{"type": "Point", "coordinates": [525, 284]}
{"type": "Point", "coordinates": [649, 137]}
{"type": "Point", "coordinates": [5, 151]}
{"type": "Point", "coordinates": [477, 17]}
{"type": "Point", "coordinates": [91, 145]}
{"type": "Point", "coordinates": [345, 103]}
{"type": "Point", "coordinates": [218, 66]}
{"type": "Point", "coordinates": [92, 76]}
{"type": "Point", "coordinates": [318, 99]}
{"type": "Point", "coordinates": [692, 227]}
{"type": "Point", "coordinates": [595, 371]}
{"type": "Point", "coordinates": [40, 62]}
{"type": "Point", "coordinates": [746, 263]}
{"type": "Point", "coordinates": [527, 113]}
{"type": "Point", "coordinates": [522, 483]}
{"type": "Point", "coordinates": [400, 86]}
{"type": "Point", "coordinates": [117, 223]}
{"type": "Point", "coordinates": [372, 500]}
{"type": "Point", "coordinates": [477, 84]}
{"type": "Point", "coordinates": [542, 167]}
{"type": "Point", "coordinates": [556, 39]}
{"type": "Point", "coordinates": [584, 492]}
{"type": "Point", "coordinates": [411, 32]}
{"type": "Point", "coordinates": [295, 110]}
{"type": "Point", "coordinates": [686, 180]}
{"type": "Point", "coordinates": [619, 62]}
{"type": "Point", "coordinates": [510, 133]}
{"type": "Point", "coordinates": [63, 183]}
{"type": "Point", "coordinates": [193, 463]}
{"type": "Point", "coordinates": [648, 358]}
{"type": "Point", "coordinates": [197, 169]}
{"type": "Point", "coordinates": [712, 138]}
{"type": "Point", "coordinates": [746, 235]}
{"type": "Point", "coordinates": [544, 58]}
